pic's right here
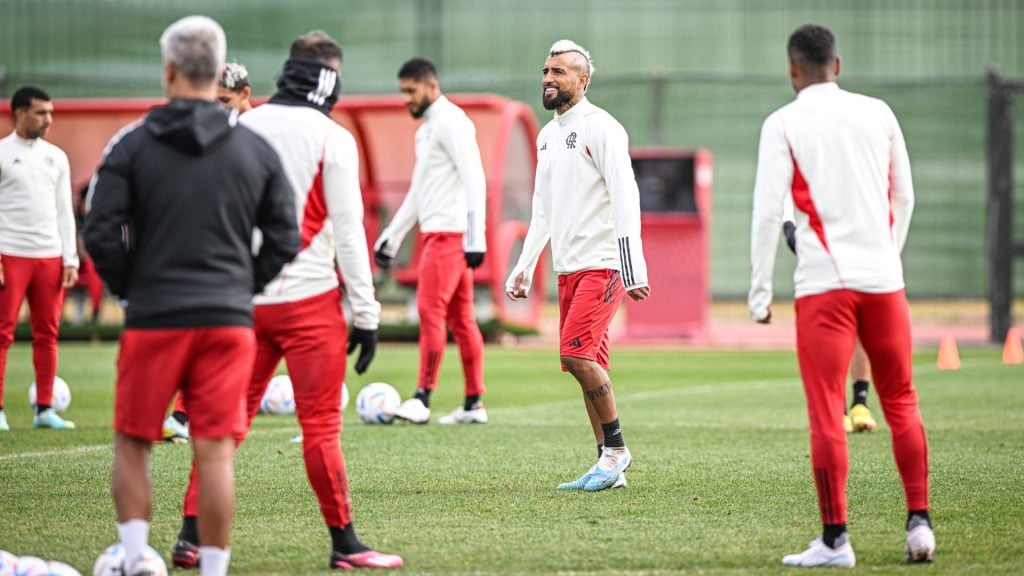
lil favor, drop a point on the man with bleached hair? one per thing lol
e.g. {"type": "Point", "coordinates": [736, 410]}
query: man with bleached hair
{"type": "Point", "coordinates": [586, 202]}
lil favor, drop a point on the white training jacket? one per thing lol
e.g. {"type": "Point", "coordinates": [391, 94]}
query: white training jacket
{"type": "Point", "coordinates": [36, 218]}
{"type": "Point", "coordinates": [842, 159]}
{"type": "Point", "coordinates": [448, 191]}
{"type": "Point", "coordinates": [322, 164]}
{"type": "Point", "coordinates": [585, 199]}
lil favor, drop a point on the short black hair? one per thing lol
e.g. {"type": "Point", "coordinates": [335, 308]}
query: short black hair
{"type": "Point", "coordinates": [418, 69]}
{"type": "Point", "coordinates": [317, 46]}
{"type": "Point", "coordinates": [25, 95]}
{"type": "Point", "coordinates": [813, 43]}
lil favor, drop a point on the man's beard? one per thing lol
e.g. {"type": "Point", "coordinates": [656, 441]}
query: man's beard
{"type": "Point", "coordinates": [419, 109]}
{"type": "Point", "coordinates": [560, 98]}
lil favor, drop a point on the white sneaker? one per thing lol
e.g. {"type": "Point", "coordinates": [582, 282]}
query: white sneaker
{"type": "Point", "coordinates": [413, 410]}
{"type": "Point", "coordinates": [477, 415]}
{"type": "Point", "coordinates": [920, 544]}
{"type": "Point", "coordinates": [297, 439]}
{"type": "Point", "coordinates": [175, 432]}
{"type": "Point", "coordinates": [4, 426]}
{"type": "Point", "coordinates": [820, 555]}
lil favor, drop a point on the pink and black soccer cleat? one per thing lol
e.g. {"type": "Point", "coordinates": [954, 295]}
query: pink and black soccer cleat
{"type": "Point", "coordinates": [185, 554]}
{"type": "Point", "coordinates": [368, 559]}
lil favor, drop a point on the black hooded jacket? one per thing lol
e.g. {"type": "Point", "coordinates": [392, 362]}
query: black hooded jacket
{"type": "Point", "coordinates": [172, 211]}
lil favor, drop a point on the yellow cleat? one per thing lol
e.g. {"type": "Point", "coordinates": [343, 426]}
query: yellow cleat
{"type": "Point", "coordinates": [847, 423]}
{"type": "Point", "coordinates": [861, 418]}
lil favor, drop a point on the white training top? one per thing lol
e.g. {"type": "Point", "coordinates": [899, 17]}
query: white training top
{"type": "Point", "coordinates": [322, 164]}
{"type": "Point", "coordinates": [448, 191]}
{"type": "Point", "coordinates": [36, 218]}
{"type": "Point", "coordinates": [585, 199]}
{"type": "Point", "coordinates": [842, 158]}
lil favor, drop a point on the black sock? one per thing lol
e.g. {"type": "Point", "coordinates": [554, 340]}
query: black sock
{"type": "Point", "coordinates": [41, 407]}
{"type": "Point", "coordinates": [423, 395]}
{"type": "Point", "coordinates": [181, 417]}
{"type": "Point", "coordinates": [600, 450]}
{"type": "Point", "coordinates": [916, 517]}
{"type": "Point", "coordinates": [860, 392]}
{"type": "Point", "coordinates": [832, 533]}
{"type": "Point", "coordinates": [613, 434]}
{"type": "Point", "coordinates": [344, 540]}
{"type": "Point", "coordinates": [189, 530]}
{"type": "Point", "coordinates": [471, 402]}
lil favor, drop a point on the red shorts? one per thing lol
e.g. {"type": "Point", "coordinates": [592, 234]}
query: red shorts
{"type": "Point", "coordinates": [211, 366]}
{"type": "Point", "coordinates": [587, 302]}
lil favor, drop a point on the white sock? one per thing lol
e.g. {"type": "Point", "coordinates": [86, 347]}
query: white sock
{"type": "Point", "coordinates": [214, 561]}
{"type": "Point", "coordinates": [135, 537]}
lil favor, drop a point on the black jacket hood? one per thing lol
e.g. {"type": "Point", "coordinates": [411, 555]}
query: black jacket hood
{"type": "Point", "coordinates": [190, 126]}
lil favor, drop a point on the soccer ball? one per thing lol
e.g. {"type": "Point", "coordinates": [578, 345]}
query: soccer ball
{"type": "Point", "coordinates": [7, 563]}
{"type": "Point", "coordinates": [32, 566]}
{"type": "Point", "coordinates": [279, 397]}
{"type": "Point", "coordinates": [61, 394]}
{"type": "Point", "coordinates": [344, 396]}
{"type": "Point", "coordinates": [377, 402]}
{"type": "Point", "coordinates": [111, 560]}
{"type": "Point", "coordinates": [61, 569]}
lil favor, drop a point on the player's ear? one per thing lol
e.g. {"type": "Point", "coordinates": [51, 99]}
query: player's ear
{"type": "Point", "coordinates": [246, 92]}
{"type": "Point", "coordinates": [835, 67]}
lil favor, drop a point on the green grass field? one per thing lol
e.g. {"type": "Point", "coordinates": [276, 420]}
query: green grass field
{"type": "Point", "coordinates": [720, 484]}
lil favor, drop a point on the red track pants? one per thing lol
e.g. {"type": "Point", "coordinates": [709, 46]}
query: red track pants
{"type": "Point", "coordinates": [828, 325]}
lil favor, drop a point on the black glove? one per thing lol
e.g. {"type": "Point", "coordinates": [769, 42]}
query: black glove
{"type": "Point", "coordinates": [789, 230]}
{"type": "Point", "coordinates": [382, 259]}
{"type": "Point", "coordinates": [367, 342]}
{"type": "Point", "coordinates": [474, 259]}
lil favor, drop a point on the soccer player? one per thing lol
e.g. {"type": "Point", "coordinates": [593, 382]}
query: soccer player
{"type": "Point", "coordinates": [173, 209]}
{"type": "Point", "coordinates": [38, 244]}
{"type": "Point", "coordinates": [233, 88]}
{"type": "Point", "coordinates": [299, 315]}
{"type": "Point", "coordinates": [233, 92]}
{"type": "Point", "coordinates": [447, 198]}
{"type": "Point", "coordinates": [858, 418]}
{"type": "Point", "coordinates": [843, 159]}
{"type": "Point", "coordinates": [586, 202]}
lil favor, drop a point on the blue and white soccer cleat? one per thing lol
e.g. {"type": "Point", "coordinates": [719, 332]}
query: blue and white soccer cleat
{"type": "Point", "coordinates": [580, 482]}
{"type": "Point", "coordinates": [611, 465]}
{"type": "Point", "coordinates": [49, 419]}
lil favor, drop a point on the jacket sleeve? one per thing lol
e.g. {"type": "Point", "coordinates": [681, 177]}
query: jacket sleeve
{"type": "Point", "coordinates": [344, 201]}
{"type": "Point", "coordinates": [902, 196]}
{"type": "Point", "coordinates": [276, 221]}
{"type": "Point", "coordinates": [459, 140]}
{"type": "Point", "coordinates": [537, 236]}
{"type": "Point", "coordinates": [609, 147]}
{"type": "Point", "coordinates": [402, 221]}
{"type": "Point", "coordinates": [109, 229]}
{"type": "Point", "coordinates": [773, 179]}
{"type": "Point", "coordinates": [66, 216]}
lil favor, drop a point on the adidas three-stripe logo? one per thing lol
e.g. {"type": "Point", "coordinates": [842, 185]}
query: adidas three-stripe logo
{"type": "Point", "coordinates": [627, 262]}
{"type": "Point", "coordinates": [324, 87]}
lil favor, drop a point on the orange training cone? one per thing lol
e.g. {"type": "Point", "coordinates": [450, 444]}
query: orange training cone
{"type": "Point", "coordinates": [1013, 353]}
{"type": "Point", "coordinates": [949, 357]}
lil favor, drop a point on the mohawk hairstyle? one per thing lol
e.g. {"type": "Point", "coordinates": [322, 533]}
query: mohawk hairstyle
{"type": "Point", "coordinates": [235, 77]}
{"type": "Point", "coordinates": [563, 46]}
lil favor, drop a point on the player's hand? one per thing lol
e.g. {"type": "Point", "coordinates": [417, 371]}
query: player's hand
{"type": "Point", "coordinates": [1, 275]}
{"type": "Point", "coordinates": [640, 294]}
{"type": "Point", "coordinates": [70, 277]}
{"type": "Point", "coordinates": [366, 340]}
{"type": "Point", "coordinates": [767, 319]}
{"type": "Point", "coordinates": [789, 230]}
{"type": "Point", "coordinates": [382, 259]}
{"type": "Point", "coordinates": [517, 290]}
{"type": "Point", "coordinates": [474, 259]}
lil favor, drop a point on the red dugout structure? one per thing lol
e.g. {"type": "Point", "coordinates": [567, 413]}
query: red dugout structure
{"type": "Point", "coordinates": [384, 130]}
